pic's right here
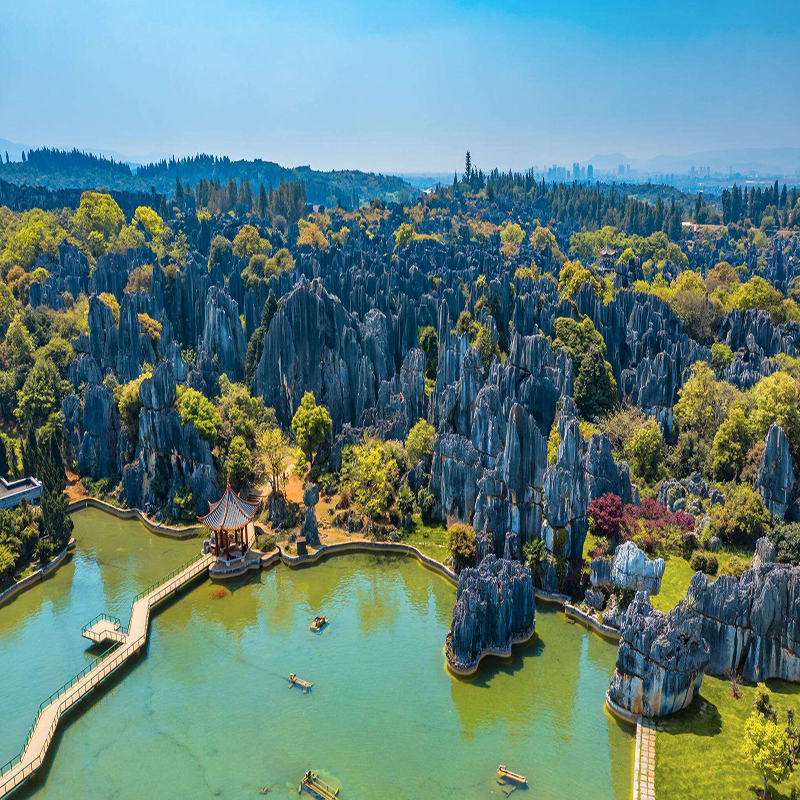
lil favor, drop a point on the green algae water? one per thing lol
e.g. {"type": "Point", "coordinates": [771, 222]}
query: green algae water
{"type": "Point", "coordinates": [209, 712]}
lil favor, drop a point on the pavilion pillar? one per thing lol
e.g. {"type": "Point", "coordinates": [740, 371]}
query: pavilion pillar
{"type": "Point", "coordinates": [227, 546]}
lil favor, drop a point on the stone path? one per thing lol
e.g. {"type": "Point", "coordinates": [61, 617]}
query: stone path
{"type": "Point", "coordinates": [644, 765]}
{"type": "Point", "coordinates": [44, 727]}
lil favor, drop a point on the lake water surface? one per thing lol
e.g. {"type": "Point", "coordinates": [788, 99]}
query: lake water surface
{"type": "Point", "coordinates": [208, 712]}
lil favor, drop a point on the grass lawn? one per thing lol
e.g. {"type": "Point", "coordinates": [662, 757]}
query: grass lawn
{"type": "Point", "coordinates": [698, 752]}
{"type": "Point", "coordinates": [678, 574]}
{"type": "Point", "coordinates": [430, 539]}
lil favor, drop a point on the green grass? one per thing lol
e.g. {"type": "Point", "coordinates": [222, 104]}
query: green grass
{"type": "Point", "coordinates": [677, 574]}
{"type": "Point", "coordinates": [428, 538]}
{"type": "Point", "coordinates": [698, 754]}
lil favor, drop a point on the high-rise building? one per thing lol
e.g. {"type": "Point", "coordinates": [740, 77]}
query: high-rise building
{"type": "Point", "coordinates": [621, 169]}
{"type": "Point", "coordinates": [576, 171]}
{"type": "Point", "coordinates": [590, 173]}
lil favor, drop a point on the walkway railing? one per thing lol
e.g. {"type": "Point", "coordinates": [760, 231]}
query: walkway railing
{"type": "Point", "coordinates": [50, 710]}
{"type": "Point", "coordinates": [65, 687]}
{"type": "Point", "coordinates": [108, 618]}
{"type": "Point", "coordinates": [173, 574]}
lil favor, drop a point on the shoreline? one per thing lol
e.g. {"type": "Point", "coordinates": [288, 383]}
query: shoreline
{"type": "Point", "coordinates": [38, 576]}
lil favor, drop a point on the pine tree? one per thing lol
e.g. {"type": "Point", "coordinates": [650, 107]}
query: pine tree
{"type": "Point", "coordinates": [262, 201]}
{"type": "Point", "coordinates": [178, 190]}
{"type": "Point", "coordinates": [468, 168]}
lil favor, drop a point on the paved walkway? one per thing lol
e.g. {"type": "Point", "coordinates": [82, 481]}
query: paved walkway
{"type": "Point", "coordinates": [644, 766]}
{"type": "Point", "coordinates": [45, 725]}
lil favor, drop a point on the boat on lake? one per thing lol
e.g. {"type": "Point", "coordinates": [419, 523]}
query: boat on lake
{"type": "Point", "coordinates": [318, 623]}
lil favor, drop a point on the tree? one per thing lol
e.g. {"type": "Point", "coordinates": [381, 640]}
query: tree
{"type": "Point", "coordinates": [311, 234]}
{"type": "Point", "coordinates": [644, 451]}
{"type": "Point", "coordinates": [194, 407]}
{"type": "Point", "coordinates": [19, 344]}
{"type": "Point", "coordinates": [419, 443]}
{"type": "Point", "coordinates": [7, 562]}
{"type": "Point", "coordinates": [606, 515]}
{"type": "Point", "coordinates": [248, 242]}
{"type": "Point", "coordinates": [721, 356]}
{"type": "Point", "coordinates": [776, 400]}
{"type": "Point", "coordinates": [130, 404]}
{"type": "Point", "coordinates": [276, 451]}
{"type": "Point", "coordinates": [40, 396]}
{"type": "Point", "coordinates": [731, 444]}
{"type": "Point", "coordinates": [368, 476]}
{"type": "Point", "coordinates": [461, 543]}
{"type": "Point", "coordinates": [766, 748]}
{"type": "Point", "coordinates": [595, 390]}
{"type": "Point", "coordinates": [429, 344]}
{"type": "Point", "coordinates": [8, 306]}
{"type": "Point", "coordinates": [701, 403]}
{"type": "Point", "coordinates": [311, 424]}
{"type": "Point", "coordinates": [219, 251]}
{"type": "Point", "coordinates": [238, 462]}
{"type": "Point", "coordinates": [98, 213]}
{"type": "Point", "coordinates": [404, 235]}
{"type": "Point", "coordinates": [255, 346]}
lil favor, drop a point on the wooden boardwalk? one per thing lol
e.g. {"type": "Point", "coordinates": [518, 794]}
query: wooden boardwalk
{"type": "Point", "coordinates": [130, 642]}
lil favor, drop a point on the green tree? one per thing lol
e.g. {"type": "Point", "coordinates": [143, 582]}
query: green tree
{"type": "Point", "coordinates": [98, 214]}
{"type": "Point", "coordinates": [130, 404]}
{"type": "Point", "coordinates": [7, 562]}
{"type": "Point", "coordinates": [701, 403]}
{"type": "Point", "coordinates": [644, 451]}
{"type": "Point", "coordinates": [219, 251]}
{"type": "Point", "coordinates": [404, 235]}
{"type": "Point", "coordinates": [276, 451]}
{"type": "Point", "coordinates": [766, 749]}
{"type": "Point", "coordinates": [19, 344]}
{"type": "Point", "coordinates": [40, 396]}
{"type": "Point", "coordinates": [595, 390]}
{"type": "Point", "coordinates": [429, 344]}
{"type": "Point", "coordinates": [368, 475]}
{"type": "Point", "coordinates": [721, 356]}
{"type": "Point", "coordinates": [238, 462]}
{"type": "Point", "coordinates": [196, 408]}
{"type": "Point", "coordinates": [776, 400]}
{"type": "Point", "coordinates": [310, 425]}
{"type": "Point", "coordinates": [8, 306]}
{"type": "Point", "coordinates": [419, 443]}
{"type": "Point", "coordinates": [248, 242]}
{"type": "Point", "coordinates": [731, 444]}
{"type": "Point", "coordinates": [512, 233]}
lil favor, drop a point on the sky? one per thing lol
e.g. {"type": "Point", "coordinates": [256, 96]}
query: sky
{"type": "Point", "coordinates": [400, 86]}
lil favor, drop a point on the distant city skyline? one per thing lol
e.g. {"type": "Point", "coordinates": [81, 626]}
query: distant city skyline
{"type": "Point", "coordinates": [401, 87]}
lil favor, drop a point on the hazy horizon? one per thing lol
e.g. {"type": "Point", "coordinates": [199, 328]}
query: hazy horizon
{"type": "Point", "coordinates": [400, 88]}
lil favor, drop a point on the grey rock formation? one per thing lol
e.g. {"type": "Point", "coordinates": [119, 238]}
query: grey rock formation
{"type": "Point", "coordinates": [632, 569]}
{"type": "Point", "coordinates": [309, 528]}
{"type": "Point", "coordinates": [600, 571]}
{"type": "Point", "coordinates": [660, 661]}
{"type": "Point", "coordinates": [776, 477]}
{"type": "Point", "coordinates": [752, 624]}
{"type": "Point", "coordinates": [169, 455]}
{"type": "Point", "coordinates": [494, 605]}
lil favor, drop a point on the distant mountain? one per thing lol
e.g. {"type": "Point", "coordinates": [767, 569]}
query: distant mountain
{"type": "Point", "coordinates": [14, 150]}
{"type": "Point", "coordinates": [425, 180]}
{"type": "Point", "coordinates": [59, 169]}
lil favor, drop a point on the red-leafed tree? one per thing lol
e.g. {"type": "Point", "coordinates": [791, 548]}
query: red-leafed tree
{"type": "Point", "coordinates": [606, 515]}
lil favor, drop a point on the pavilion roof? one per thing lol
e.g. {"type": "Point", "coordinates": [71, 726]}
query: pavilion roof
{"type": "Point", "coordinates": [229, 512]}
{"type": "Point", "coordinates": [607, 250]}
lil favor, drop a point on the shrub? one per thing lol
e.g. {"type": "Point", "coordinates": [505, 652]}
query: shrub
{"type": "Point", "coordinates": [736, 566]}
{"type": "Point", "coordinates": [426, 502]}
{"type": "Point", "coordinates": [461, 543]}
{"type": "Point", "coordinates": [405, 500]}
{"type": "Point", "coordinates": [644, 451]}
{"type": "Point", "coordinates": [742, 519]}
{"type": "Point", "coordinates": [704, 562]}
{"type": "Point", "coordinates": [786, 538]}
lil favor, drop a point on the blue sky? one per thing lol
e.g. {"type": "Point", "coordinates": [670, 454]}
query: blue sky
{"type": "Point", "coordinates": [405, 86]}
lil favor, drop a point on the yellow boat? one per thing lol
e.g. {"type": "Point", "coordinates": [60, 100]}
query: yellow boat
{"type": "Point", "coordinates": [317, 788]}
{"type": "Point", "coordinates": [294, 680]}
{"type": "Point", "coordinates": [505, 772]}
{"type": "Point", "coordinates": [318, 623]}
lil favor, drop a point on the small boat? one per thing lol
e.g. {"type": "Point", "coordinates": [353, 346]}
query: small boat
{"type": "Point", "coordinates": [505, 772]}
{"type": "Point", "coordinates": [318, 623]}
{"type": "Point", "coordinates": [317, 788]}
{"type": "Point", "coordinates": [294, 680]}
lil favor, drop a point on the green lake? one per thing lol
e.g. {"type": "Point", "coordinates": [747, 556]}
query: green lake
{"type": "Point", "coordinates": [208, 712]}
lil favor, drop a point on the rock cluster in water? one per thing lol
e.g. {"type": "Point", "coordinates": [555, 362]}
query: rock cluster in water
{"type": "Point", "coordinates": [494, 606]}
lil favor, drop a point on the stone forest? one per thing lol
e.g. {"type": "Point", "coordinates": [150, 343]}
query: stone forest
{"type": "Point", "coordinates": [577, 405]}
